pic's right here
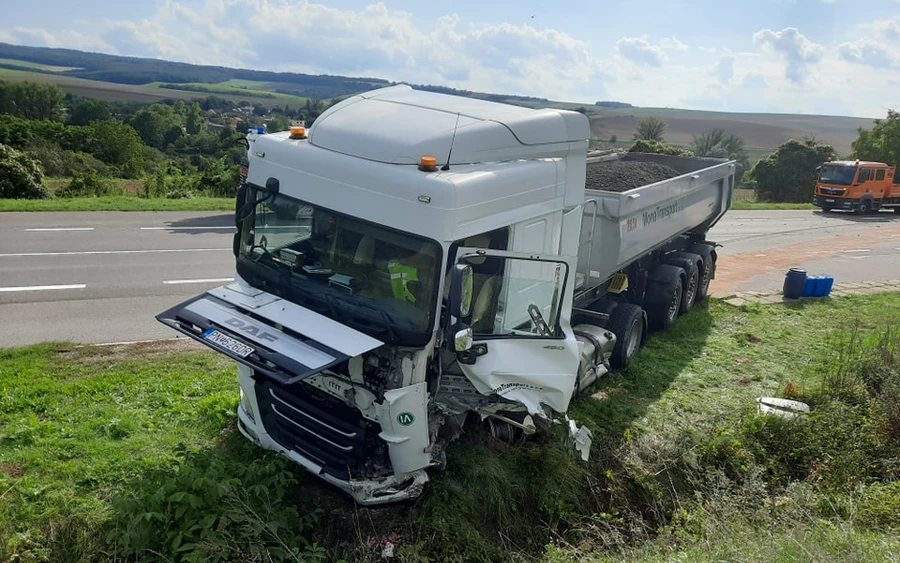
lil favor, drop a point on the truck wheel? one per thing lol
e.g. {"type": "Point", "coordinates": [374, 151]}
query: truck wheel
{"type": "Point", "coordinates": [664, 296]}
{"type": "Point", "coordinates": [865, 206]}
{"type": "Point", "coordinates": [627, 323]}
{"type": "Point", "coordinates": [690, 263]}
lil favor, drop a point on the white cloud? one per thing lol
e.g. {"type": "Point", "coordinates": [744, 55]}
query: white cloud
{"type": "Point", "coordinates": [724, 69]}
{"type": "Point", "coordinates": [888, 30]}
{"type": "Point", "coordinates": [375, 40]}
{"type": "Point", "coordinates": [799, 51]}
{"type": "Point", "coordinates": [867, 52]}
{"type": "Point", "coordinates": [639, 50]}
{"type": "Point", "coordinates": [755, 81]}
{"type": "Point", "coordinates": [64, 38]}
{"type": "Point", "coordinates": [6, 37]}
{"type": "Point", "coordinates": [672, 44]}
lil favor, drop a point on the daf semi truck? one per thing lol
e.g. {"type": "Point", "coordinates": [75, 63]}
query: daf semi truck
{"type": "Point", "coordinates": [415, 264]}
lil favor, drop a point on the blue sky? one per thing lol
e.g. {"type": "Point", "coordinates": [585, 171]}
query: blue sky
{"type": "Point", "coordinates": [801, 56]}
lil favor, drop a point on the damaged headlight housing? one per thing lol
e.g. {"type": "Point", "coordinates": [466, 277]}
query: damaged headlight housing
{"type": "Point", "coordinates": [247, 406]}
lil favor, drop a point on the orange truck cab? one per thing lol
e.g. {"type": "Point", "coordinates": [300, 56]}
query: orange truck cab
{"type": "Point", "coordinates": [859, 186]}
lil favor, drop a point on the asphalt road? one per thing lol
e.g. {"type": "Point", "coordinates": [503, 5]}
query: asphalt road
{"type": "Point", "coordinates": [102, 276]}
{"type": "Point", "coordinates": [760, 246]}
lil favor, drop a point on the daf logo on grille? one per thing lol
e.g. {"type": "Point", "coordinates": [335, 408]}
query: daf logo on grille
{"type": "Point", "coordinates": [251, 329]}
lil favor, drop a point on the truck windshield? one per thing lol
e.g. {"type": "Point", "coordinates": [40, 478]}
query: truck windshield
{"type": "Point", "coordinates": [837, 174]}
{"type": "Point", "coordinates": [373, 278]}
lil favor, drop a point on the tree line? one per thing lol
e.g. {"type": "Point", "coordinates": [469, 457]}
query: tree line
{"type": "Point", "coordinates": [173, 146]}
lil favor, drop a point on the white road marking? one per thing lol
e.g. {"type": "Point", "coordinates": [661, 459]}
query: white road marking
{"type": "Point", "coordinates": [90, 252]}
{"type": "Point", "coordinates": [54, 229]}
{"type": "Point", "coordinates": [858, 250]}
{"type": "Point", "coordinates": [43, 287]}
{"type": "Point", "coordinates": [182, 228]}
{"type": "Point", "coordinates": [207, 280]}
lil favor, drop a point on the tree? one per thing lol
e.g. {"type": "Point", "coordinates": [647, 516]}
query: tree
{"type": "Point", "coordinates": [31, 100]}
{"type": "Point", "coordinates": [20, 176]}
{"type": "Point", "coordinates": [651, 129]}
{"type": "Point", "coordinates": [88, 110]}
{"type": "Point", "coordinates": [718, 144]}
{"type": "Point", "coordinates": [278, 123]}
{"type": "Point", "coordinates": [117, 143]}
{"type": "Point", "coordinates": [613, 139]}
{"type": "Point", "coordinates": [789, 174]}
{"type": "Point", "coordinates": [158, 125]}
{"type": "Point", "coordinates": [196, 121]}
{"type": "Point", "coordinates": [882, 142]}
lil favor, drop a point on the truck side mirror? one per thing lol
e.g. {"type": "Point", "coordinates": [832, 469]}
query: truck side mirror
{"type": "Point", "coordinates": [461, 286]}
{"type": "Point", "coordinates": [462, 340]}
{"type": "Point", "coordinates": [239, 204]}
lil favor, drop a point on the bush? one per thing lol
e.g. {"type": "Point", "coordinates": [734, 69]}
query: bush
{"type": "Point", "coordinates": [658, 147]}
{"type": "Point", "coordinates": [789, 175]}
{"type": "Point", "coordinates": [206, 508]}
{"type": "Point", "coordinates": [88, 184]}
{"type": "Point", "coordinates": [172, 184]}
{"type": "Point", "coordinates": [57, 161]}
{"type": "Point", "coordinates": [20, 176]}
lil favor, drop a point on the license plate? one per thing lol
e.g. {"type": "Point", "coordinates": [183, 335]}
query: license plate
{"type": "Point", "coordinates": [829, 201]}
{"type": "Point", "coordinates": [227, 342]}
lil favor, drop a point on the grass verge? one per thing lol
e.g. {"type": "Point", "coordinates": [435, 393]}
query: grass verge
{"type": "Point", "coordinates": [118, 203]}
{"type": "Point", "coordinates": [130, 454]}
{"type": "Point", "coordinates": [743, 205]}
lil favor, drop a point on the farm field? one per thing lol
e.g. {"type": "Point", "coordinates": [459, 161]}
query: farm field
{"type": "Point", "coordinates": [148, 93]}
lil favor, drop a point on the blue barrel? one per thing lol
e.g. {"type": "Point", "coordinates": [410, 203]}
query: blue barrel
{"type": "Point", "coordinates": [794, 282]}
{"type": "Point", "coordinates": [809, 286]}
{"type": "Point", "coordinates": [829, 282]}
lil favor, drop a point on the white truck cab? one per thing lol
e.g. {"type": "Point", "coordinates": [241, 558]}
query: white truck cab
{"type": "Point", "coordinates": [415, 262]}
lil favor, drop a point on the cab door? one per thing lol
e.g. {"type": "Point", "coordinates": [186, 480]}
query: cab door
{"type": "Point", "coordinates": [523, 348]}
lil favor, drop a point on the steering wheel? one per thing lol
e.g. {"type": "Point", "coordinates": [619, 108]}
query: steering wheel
{"type": "Point", "coordinates": [538, 320]}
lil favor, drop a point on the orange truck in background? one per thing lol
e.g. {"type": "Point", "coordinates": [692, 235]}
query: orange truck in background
{"type": "Point", "coordinates": [859, 186]}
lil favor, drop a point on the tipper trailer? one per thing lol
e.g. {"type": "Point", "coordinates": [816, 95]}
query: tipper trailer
{"type": "Point", "coordinates": [416, 264]}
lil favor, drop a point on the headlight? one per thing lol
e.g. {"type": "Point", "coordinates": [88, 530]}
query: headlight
{"type": "Point", "coordinates": [247, 406]}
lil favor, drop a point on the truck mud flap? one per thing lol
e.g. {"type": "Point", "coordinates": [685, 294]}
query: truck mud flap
{"type": "Point", "coordinates": [286, 357]}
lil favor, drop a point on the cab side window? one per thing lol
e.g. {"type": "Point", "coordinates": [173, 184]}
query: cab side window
{"type": "Point", "coordinates": [864, 175]}
{"type": "Point", "coordinates": [879, 175]}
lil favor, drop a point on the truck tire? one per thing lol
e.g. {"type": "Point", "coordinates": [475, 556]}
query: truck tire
{"type": "Point", "coordinates": [707, 269]}
{"type": "Point", "coordinates": [691, 264]}
{"type": "Point", "coordinates": [663, 296]}
{"type": "Point", "coordinates": [865, 207]}
{"type": "Point", "coordinates": [627, 323]}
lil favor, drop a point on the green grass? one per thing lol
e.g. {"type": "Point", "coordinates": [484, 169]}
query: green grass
{"type": "Point", "coordinates": [248, 90]}
{"type": "Point", "coordinates": [681, 469]}
{"type": "Point", "coordinates": [39, 66]}
{"type": "Point", "coordinates": [743, 205]}
{"type": "Point", "coordinates": [118, 203]}
{"type": "Point", "coordinates": [77, 424]}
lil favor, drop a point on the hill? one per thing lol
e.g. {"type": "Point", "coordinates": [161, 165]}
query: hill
{"type": "Point", "coordinates": [762, 131]}
{"type": "Point", "coordinates": [114, 77]}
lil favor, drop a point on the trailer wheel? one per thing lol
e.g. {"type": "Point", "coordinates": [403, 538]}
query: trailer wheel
{"type": "Point", "coordinates": [690, 264]}
{"type": "Point", "coordinates": [707, 267]}
{"type": "Point", "coordinates": [627, 323]}
{"type": "Point", "coordinates": [664, 295]}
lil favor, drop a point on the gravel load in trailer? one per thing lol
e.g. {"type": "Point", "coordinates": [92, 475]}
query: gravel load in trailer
{"type": "Point", "coordinates": [624, 175]}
